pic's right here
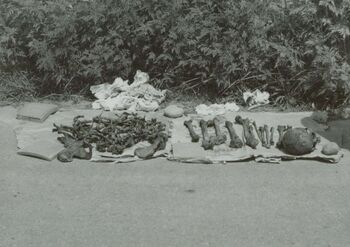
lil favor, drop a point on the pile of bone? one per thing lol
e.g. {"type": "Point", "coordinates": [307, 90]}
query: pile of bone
{"type": "Point", "coordinates": [293, 141]}
{"type": "Point", "coordinates": [112, 135]}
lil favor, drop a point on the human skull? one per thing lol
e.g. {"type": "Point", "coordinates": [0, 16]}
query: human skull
{"type": "Point", "coordinates": [299, 141]}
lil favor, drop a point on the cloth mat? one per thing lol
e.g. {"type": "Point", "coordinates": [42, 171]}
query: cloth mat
{"type": "Point", "coordinates": [30, 134]}
{"type": "Point", "coordinates": [185, 151]}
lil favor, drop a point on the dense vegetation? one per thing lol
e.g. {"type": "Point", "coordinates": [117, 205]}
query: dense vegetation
{"type": "Point", "coordinates": [295, 49]}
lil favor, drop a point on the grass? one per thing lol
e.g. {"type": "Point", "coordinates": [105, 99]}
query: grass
{"type": "Point", "coordinates": [16, 87]}
{"type": "Point", "coordinates": [188, 100]}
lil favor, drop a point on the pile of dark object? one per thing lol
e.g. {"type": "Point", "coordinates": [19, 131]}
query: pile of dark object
{"type": "Point", "coordinates": [111, 135]}
{"type": "Point", "coordinates": [293, 141]}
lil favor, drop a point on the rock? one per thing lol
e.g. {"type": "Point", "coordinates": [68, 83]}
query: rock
{"type": "Point", "coordinates": [330, 148]}
{"type": "Point", "coordinates": [173, 111]}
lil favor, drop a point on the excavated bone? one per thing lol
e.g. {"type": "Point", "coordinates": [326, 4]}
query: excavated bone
{"type": "Point", "coordinates": [299, 141]}
{"type": "Point", "coordinates": [148, 152]}
{"type": "Point", "coordinates": [267, 136]}
{"type": "Point", "coordinates": [280, 129]}
{"type": "Point", "coordinates": [193, 134]}
{"type": "Point", "coordinates": [220, 138]}
{"type": "Point", "coordinates": [206, 144]}
{"type": "Point", "coordinates": [248, 130]}
{"type": "Point", "coordinates": [235, 142]}
{"type": "Point", "coordinates": [272, 131]}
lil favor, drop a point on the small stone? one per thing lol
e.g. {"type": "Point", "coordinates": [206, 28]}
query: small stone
{"type": "Point", "coordinates": [330, 148]}
{"type": "Point", "coordinates": [173, 111]}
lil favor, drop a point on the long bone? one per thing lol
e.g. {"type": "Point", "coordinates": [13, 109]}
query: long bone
{"type": "Point", "coordinates": [272, 132]}
{"type": "Point", "coordinates": [263, 136]}
{"type": "Point", "coordinates": [148, 152]}
{"type": "Point", "coordinates": [206, 144]}
{"type": "Point", "coordinates": [280, 129]}
{"type": "Point", "coordinates": [251, 141]}
{"type": "Point", "coordinates": [219, 137]}
{"type": "Point", "coordinates": [267, 135]}
{"type": "Point", "coordinates": [235, 142]}
{"type": "Point", "coordinates": [193, 134]}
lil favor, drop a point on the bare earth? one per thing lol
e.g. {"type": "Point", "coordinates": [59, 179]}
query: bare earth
{"type": "Point", "coordinates": [162, 203]}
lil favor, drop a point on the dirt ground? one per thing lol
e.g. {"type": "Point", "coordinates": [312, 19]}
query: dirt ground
{"type": "Point", "coordinates": [163, 203]}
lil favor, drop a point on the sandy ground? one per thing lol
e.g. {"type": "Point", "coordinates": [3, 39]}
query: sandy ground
{"type": "Point", "coordinates": [162, 203]}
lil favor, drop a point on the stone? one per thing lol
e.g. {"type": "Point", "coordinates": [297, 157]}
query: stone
{"type": "Point", "coordinates": [330, 148]}
{"type": "Point", "coordinates": [173, 111]}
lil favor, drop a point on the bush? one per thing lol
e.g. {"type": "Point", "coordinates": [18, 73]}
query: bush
{"type": "Point", "coordinates": [294, 49]}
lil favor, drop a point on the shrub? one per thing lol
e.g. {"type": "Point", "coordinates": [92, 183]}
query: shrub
{"type": "Point", "coordinates": [294, 49]}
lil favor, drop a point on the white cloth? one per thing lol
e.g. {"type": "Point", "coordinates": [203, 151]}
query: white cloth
{"type": "Point", "coordinates": [138, 96]}
{"type": "Point", "coordinates": [216, 109]}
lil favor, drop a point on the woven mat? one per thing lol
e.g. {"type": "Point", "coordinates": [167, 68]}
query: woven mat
{"type": "Point", "coordinates": [31, 133]}
{"type": "Point", "coordinates": [185, 151]}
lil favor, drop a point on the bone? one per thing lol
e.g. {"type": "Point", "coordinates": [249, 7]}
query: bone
{"type": "Point", "coordinates": [248, 131]}
{"type": "Point", "coordinates": [148, 152]}
{"type": "Point", "coordinates": [267, 134]}
{"type": "Point", "coordinates": [235, 142]}
{"type": "Point", "coordinates": [257, 131]}
{"type": "Point", "coordinates": [263, 137]}
{"type": "Point", "coordinates": [76, 149]}
{"type": "Point", "coordinates": [193, 134]}
{"type": "Point", "coordinates": [206, 144]}
{"type": "Point", "coordinates": [239, 120]}
{"type": "Point", "coordinates": [253, 142]}
{"type": "Point", "coordinates": [272, 132]}
{"type": "Point", "coordinates": [280, 129]}
{"type": "Point", "coordinates": [220, 138]}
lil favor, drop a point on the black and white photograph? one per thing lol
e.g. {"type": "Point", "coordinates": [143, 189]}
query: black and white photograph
{"type": "Point", "coordinates": [174, 123]}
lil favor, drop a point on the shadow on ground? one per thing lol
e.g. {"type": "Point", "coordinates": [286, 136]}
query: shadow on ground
{"type": "Point", "coordinates": [338, 131]}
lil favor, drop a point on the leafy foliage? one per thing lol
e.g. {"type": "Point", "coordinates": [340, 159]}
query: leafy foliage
{"type": "Point", "coordinates": [293, 48]}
